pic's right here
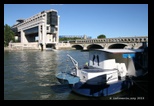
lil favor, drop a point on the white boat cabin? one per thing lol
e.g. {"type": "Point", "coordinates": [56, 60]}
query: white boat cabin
{"type": "Point", "coordinates": [112, 59]}
{"type": "Point", "coordinates": [112, 63]}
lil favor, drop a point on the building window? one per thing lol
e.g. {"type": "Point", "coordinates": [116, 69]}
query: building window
{"type": "Point", "coordinates": [52, 18]}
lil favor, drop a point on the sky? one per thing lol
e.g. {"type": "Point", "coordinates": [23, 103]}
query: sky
{"type": "Point", "coordinates": [112, 20]}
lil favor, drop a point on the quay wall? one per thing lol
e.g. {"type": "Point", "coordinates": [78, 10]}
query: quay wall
{"type": "Point", "coordinates": [34, 46]}
{"type": "Point", "coordinates": [64, 46]}
{"type": "Point", "coordinates": [21, 46]}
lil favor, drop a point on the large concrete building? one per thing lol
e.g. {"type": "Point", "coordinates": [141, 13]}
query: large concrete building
{"type": "Point", "coordinates": [40, 30]}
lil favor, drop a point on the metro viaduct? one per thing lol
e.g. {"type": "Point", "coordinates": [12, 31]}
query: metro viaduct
{"type": "Point", "coordinates": [111, 43]}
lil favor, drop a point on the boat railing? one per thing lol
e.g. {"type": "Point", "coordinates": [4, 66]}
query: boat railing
{"type": "Point", "coordinates": [98, 70]}
{"type": "Point", "coordinates": [75, 63]}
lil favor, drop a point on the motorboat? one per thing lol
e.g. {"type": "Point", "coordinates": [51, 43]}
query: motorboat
{"type": "Point", "coordinates": [107, 72]}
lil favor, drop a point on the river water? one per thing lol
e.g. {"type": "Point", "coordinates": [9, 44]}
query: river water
{"type": "Point", "coordinates": [30, 75]}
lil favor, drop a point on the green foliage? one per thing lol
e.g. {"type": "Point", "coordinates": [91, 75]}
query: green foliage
{"type": "Point", "coordinates": [101, 36]}
{"type": "Point", "coordinates": [8, 35]}
{"type": "Point", "coordinates": [68, 38]}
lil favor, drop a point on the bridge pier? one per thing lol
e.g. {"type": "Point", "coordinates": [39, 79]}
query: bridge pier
{"type": "Point", "coordinates": [84, 48]}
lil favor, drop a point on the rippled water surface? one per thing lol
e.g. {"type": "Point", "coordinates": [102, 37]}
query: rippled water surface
{"type": "Point", "coordinates": [30, 75]}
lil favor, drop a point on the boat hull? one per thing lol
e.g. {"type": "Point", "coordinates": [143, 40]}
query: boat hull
{"type": "Point", "coordinates": [101, 90]}
{"type": "Point", "coordinates": [66, 78]}
{"type": "Point", "coordinates": [63, 81]}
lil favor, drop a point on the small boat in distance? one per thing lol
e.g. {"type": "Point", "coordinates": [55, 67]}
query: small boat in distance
{"type": "Point", "coordinates": [107, 72]}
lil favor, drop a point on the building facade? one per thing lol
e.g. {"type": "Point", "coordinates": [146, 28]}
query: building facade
{"type": "Point", "coordinates": [42, 28]}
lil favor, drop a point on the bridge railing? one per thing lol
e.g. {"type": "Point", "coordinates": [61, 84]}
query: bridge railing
{"type": "Point", "coordinates": [114, 40]}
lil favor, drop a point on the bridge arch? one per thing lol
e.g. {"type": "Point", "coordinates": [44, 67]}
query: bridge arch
{"type": "Point", "coordinates": [77, 47]}
{"type": "Point", "coordinates": [117, 46]}
{"type": "Point", "coordinates": [94, 46]}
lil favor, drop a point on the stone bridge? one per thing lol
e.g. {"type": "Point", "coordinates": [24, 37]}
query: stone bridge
{"type": "Point", "coordinates": [110, 43]}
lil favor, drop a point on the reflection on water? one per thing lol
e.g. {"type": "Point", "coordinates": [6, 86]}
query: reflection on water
{"type": "Point", "coordinates": [27, 74]}
{"type": "Point", "coordinates": [30, 75]}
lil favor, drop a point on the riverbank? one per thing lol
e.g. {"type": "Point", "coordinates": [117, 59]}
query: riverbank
{"type": "Point", "coordinates": [6, 48]}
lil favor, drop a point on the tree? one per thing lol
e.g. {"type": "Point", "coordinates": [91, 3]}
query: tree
{"type": "Point", "coordinates": [101, 36]}
{"type": "Point", "coordinates": [8, 35]}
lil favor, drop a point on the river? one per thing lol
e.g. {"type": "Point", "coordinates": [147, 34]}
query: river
{"type": "Point", "coordinates": [30, 75]}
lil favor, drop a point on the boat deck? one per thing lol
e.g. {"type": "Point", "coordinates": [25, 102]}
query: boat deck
{"type": "Point", "coordinates": [94, 69]}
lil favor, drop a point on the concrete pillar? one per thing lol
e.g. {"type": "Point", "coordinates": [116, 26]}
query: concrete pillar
{"type": "Point", "coordinates": [57, 46]}
{"type": "Point", "coordinates": [39, 34]}
{"type": "Point", "coordinates": [22, 34]}
{"type": "Point", "coordinates": [57, 34]}
{"type": "Point", "coordinates": [84, 47]}
{"type": "Point", "coordinates": [41, 45]}
{"type": "Point", "coordinates": [54, 37]}
{"type": "Point", "coordinates": [51, 37]}
{"type": "Point", "coordinates": [43, 36]}
{"type": "Point", "coordinates": [23, 37]}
